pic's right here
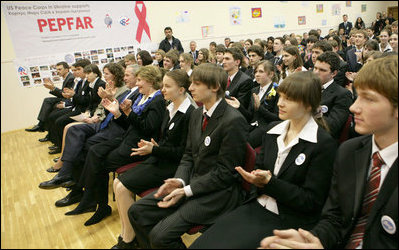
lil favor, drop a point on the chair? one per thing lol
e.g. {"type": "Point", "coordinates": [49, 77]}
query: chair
{"type": "Point", "coordinates": [123, 169]}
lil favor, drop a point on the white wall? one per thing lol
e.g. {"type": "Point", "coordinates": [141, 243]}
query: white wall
{"type": "Point", "coordinates": [20, 105]}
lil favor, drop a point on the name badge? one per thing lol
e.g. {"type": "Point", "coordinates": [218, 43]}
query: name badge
{"type": "Point", "coordinates": [207, 141]}
{"type": "Point", "coordinates": [83, 92]}
{"type": "Point", "coordinates": [388, 224]}
{"type": "Point", "coordinates": [324, 109]}
{"type": "Point", "coordinates": [227, 92]}
{"type": "Point", "coordinates": [171, 126]}
{"type": "Point", "coordinates": [300, 159]}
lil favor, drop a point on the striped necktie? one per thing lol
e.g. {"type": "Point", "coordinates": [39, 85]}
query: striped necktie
{"type": "Point", "coordinates": [371, 193]}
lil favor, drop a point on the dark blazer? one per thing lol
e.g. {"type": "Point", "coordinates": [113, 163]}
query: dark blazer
{"type": "Point", "coordinates": [209, 170]}
{"type": "Point", "coordinates": [194, 54]}
{"type": "Point", "coordinates": [340, 78]}
{"type": "Point", "coordinates": [268, 110]}
{"type": "Point", "coordinates": [87, 98]}
{"type": "Point", "coordinates": [338, 100]}
{"type": "Point", "coordinates": [300, 190]}
{"type": "Point", "coordinates": [352, 61]}
{"type": "Point", "coordinates": [147, 125]}
{"type": "Point", "coordinates": [347, 29]}
{"type": "Point", "coordinates": [344, 203]}
{"type": "Point", "coordinates": [67, 83]}
{"type": "Point", "coordinates": [240, 87]}
{"type": "Point", "coordinates": [176, 44]}
{"type": "Point", "coordinates": [122, 120]}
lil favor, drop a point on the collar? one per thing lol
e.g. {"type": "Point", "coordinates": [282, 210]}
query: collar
{"type": "Point", "coordinates": [265, 87]}
{"type": "Point", "coordinates": [189, 72]}
{"type": "Point", "coordinates": [388, 48]}
{"type": "Point", "coordinates": [388, 154]}
{"type": "Point", "coordinates": [327, 84]}
{"type": "Point", "coordinates": [212, 109]}
{"type": "Point", "coordinates": [182, 108]}
{"type": "Point", "coordinates": [233, 75]}
{"type": "Point", "coordinates": [133, 89]}
{"type": "Point", "coordinates": [308, 132]}
{"type": "Point", "coordinates": [91, 84]}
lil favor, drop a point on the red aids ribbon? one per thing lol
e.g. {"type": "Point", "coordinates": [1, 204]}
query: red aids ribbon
{"type": "Point", "coordinates": [143, 25]}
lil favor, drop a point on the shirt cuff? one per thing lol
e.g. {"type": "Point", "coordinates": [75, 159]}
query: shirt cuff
{"type": "Point", "coordinates": [188, 191]}
{"type": "Point", "coordinates": [182, 182]}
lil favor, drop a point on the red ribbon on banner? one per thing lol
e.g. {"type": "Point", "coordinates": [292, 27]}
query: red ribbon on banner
{"type": "Point", "coordinates": [143, 25]}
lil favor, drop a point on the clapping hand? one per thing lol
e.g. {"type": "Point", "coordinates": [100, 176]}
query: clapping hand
{"type": "Point", "coordinates": [257, 177]}
{"type": "Point", "coordinates": [145, 147]}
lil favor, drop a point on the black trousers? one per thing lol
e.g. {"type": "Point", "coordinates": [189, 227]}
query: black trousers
{"type": "Point", "coordinates": [242, 228]}
{"type": "Point", "coordinates": [50, 122]}
{"type": "Point", "coordinates": [157, 227]}
{"type": "Point", "coordinates": [46, 108]}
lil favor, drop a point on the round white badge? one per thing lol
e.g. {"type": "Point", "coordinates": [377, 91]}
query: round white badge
{"type": "Point", "coordinates": [324, 109]}
{"type": "Point", "coordinates": [207, 141]}
{"type": "Point", "coordinates": [300, 159]}
{"type": "Point", "coordinates": [388, 224]}
{"type": "Point", "coordinates": [171, 126]}
{"type": "Point", "coordinates": [227, 92]}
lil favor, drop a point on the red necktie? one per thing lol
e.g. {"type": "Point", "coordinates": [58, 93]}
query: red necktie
{"type": "Point", "coordinates": [371, 193]}
{"type": "Point", "coordinates": [228, 82]}
{"type": "Point", "coordinates": [204, 122]}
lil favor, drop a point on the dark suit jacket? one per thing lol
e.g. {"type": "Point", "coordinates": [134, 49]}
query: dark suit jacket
{"type": "Point", "coordinates": [268, 110]}
{"type": "Point", "coordinates": [352, 61]}
{"type": "Point", "coordinates": [67, 83]}
{"type": "Point", "coordinates": [86, 97]}
{"type": "Point", "coordinates": [176, 44]}
{"type": "Point", "coordinates": [300, 190]}
{"type": "Point", "coordinates": [347, 29]}
{"type": "Point", "coordinates": [344, 203]}
{"type": "Point", "coordinates": [194, 55]}
{"type": "Point", "coordinates": [338, 100]}
{"type": "Point", "coordinates": [340, 78]}
{"type": "Point", "coordinates": [147, 125]}
{"type": "Point", "coordinates": [240, 87]}
{"type": "Point", "coordinates": [209, 170]}
{"type": "Point", "coordinates": [173, 139]}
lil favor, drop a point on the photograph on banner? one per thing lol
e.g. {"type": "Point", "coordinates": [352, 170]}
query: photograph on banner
{"type": "Point", "coordinates": [256, 12]}
{"type": "Point", "coordinates": [319, 8]}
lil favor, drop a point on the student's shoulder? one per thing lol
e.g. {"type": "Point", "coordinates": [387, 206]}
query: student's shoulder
{"type": "Point", "coordinates": [355, 143]}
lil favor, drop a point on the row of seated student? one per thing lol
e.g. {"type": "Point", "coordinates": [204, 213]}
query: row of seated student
{"type": "Point", "coordinates": [98, 152]}
{"type": "Point", "coordinates": [293, 170]}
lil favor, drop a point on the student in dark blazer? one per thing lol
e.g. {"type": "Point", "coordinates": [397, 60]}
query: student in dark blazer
{"type": "Point", "coordinates": [49, 102]}
{"type": "Point", "coordinates": [239, 84]}
{"type": "Point", "coordinates": [361, 211]}
{"type": "Point", "coordinates": [335, 99]}
{"type": "Point", "coordinates": [353, 55]}
{"type": "Point", "coordinates": [347, 26]}
{"type": "Point", "coordinates": [165, 155]}
{"type": "Point", "coordinates": [292, 173]}
{"type": "Point", "coordinates": [145, 118]}
{"type": "Point", "coordinates": [85, 99]}
{"type": "Point", "coordinates": [81, 136]}
{"type": "Point", "coordinates": [205, 185]}
{"type": "Point", "coordinates": [263, 106]}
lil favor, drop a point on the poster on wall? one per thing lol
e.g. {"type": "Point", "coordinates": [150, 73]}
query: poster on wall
{"type": "Point", "coordinates": [319, 8]}
{"type": "Point", "coordinates": [279, 22]}
{"type": "Point", "coordinates": [256, 12]}
{"type": "Point", "coordinates": [183, 16]}
{"type": "Point", "coordinates": [324, 22]}
{"type": "Point", "coordinates": [207, 31]}
{"type": "Point", "coordinates": [348, 3]}
{"type": "Point", "coordinates": [235, 15]}
{"type": "Point", "coordinates": [301, 20]}
{"type": "Point", "coordinates": [364, 7]}
{"type": "Point", "coordinates": [72, 31]}
{"type": "Point", "coordinates": [336, 9]}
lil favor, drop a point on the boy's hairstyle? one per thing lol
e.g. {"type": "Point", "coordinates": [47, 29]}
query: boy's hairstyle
{"type": "Point", "coordinates": [64, 64]}
{"type": "Point", "coordinates": [372, 45]}
{"type": "Point", "coordinates": [151, 74]}
{"type": "Point", "coordinates": [130, 57]}
{"type": "Point", "coordinates": [312, 39]}
{"type": "Point", "coordinates": [323, 45]}
{"type": "Point", "coordinates": [256, 49]}
{"type": "Point", "coordinates": [82, 63]}
{"type": "Point", "coordinates": [330, 58]}
{"type": "Point", "coordinates": [161, 52]}
{"type": "Point", "coordinates": [92, 68]}
{"type": "Point", "coordinates": [188, 58]}
{"type": "Point", "coordinates": [172, 56]}
{"type": "Point", "coordinates": [220, 48]}
{"type": "Point", "coordinates": [236, 53]}
{"type": "Point", "coordinates": [212, 76]}
{"type": "Point", "coordinates": [380, 75]}
{"type": "Point", "coordinates": [167, 28]}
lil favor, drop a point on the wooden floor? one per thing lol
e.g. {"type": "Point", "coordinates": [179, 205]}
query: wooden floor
{"type": "Point", "coordinates": [29, 218]}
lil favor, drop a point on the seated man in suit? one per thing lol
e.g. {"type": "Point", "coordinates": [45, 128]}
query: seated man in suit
{"type": "Point", "coordinates": [347, 26]}
{"type": "Point", "coordinates": [193, 50]}
{"type": "Point", "coordinates": [335, 100]}
{"type": "Point", "coordinates": [239, 84]}
{"type": "Point", "coordinates": [354, 55]}
{"type": "Point", "coordinates": [362, 208]}
{"type": "Point", "coordinates": [49, 102]}
{"type": "Point", "coordinates": [205, 185]}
